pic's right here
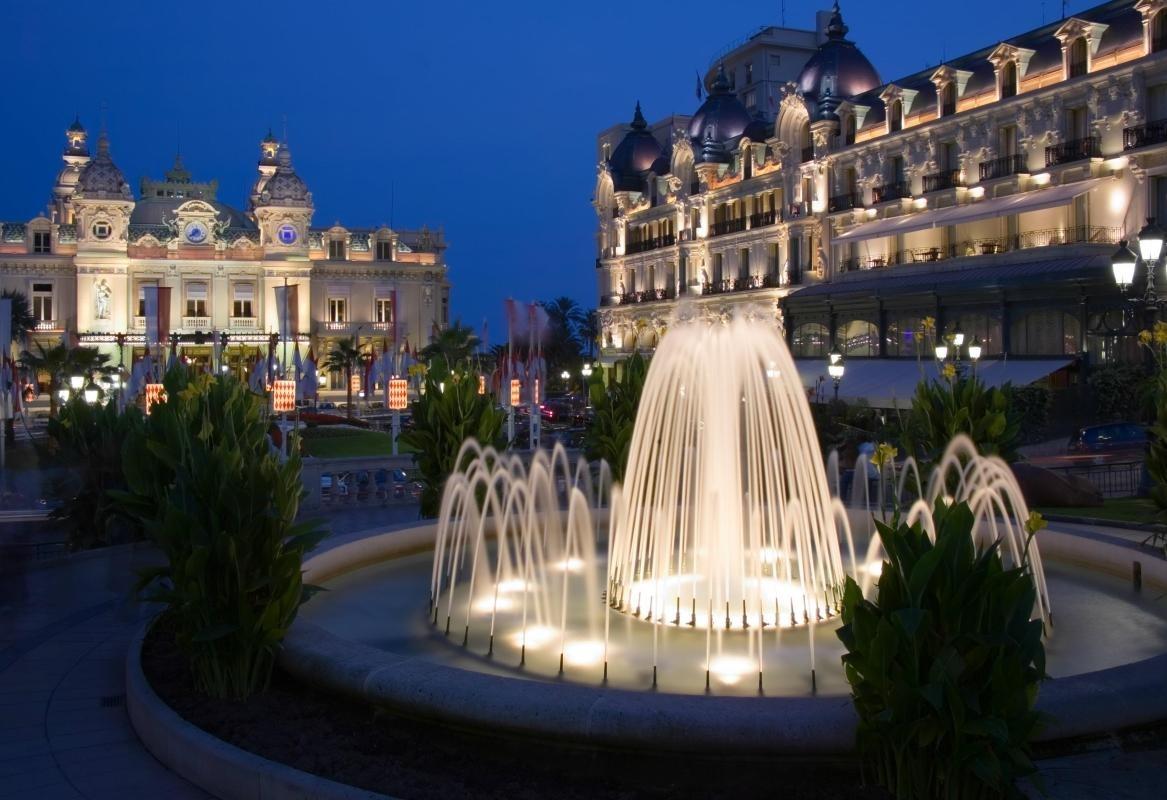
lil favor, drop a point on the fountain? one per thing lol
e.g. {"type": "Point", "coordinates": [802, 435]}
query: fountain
{"type": "Point", "coordinates": [696, 605]}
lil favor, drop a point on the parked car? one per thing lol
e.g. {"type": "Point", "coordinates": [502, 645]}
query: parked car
{"type": "Point", "coordinates": [1114, 437]}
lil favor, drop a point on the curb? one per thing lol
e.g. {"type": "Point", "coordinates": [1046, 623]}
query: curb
{"type": "Point", "coordinates": [222, 769]}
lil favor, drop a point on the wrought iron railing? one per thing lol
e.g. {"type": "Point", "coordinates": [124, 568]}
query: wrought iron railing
{"type": "Point", "coordinates": [1073, 150]}
{"type": "Point", "coordinates": [1143, 135]}
{"type": "Point", "coordinates": [1002, 167]}
{"type": "Point", "coordinates": [644, 245]}
{"type": "Point", "coordinates": [891, 191]}
{"type": "Point", "coordinates": [845, 201]}
{"type": "Point", "coordinates": [763, 218]}
{"type": "Point", "coordinates": [728, 226]}
{"type": "Point", "coordinates": [942, 180]}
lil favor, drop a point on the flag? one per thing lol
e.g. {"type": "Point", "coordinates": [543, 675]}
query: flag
{"type": "Point", "coordinates": [308, 381]}
{"type": "Point", "coordinates": [518, 323]}
{"type": "Point", "coordinates": [700, 86]}
{"type": "Point", "coordinates": [157, 314]}
{"type": "Point", "coordinates": [288, 310]}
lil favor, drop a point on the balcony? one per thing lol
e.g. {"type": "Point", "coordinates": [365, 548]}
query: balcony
{"type": "Point", "coordinates": [647, 296]}
{"type": "Point", "coordinates": [1073, 150]}
{"type": "Point", "coordinates": [337, 327]}
{"type": "Point", "coordinates": [383, 327]}
{"type": "Point", "coordinates": [1047, 237]}
{"type": "Point", "coordinates": [1143, 135]}
{"type": "Point", "coordinates": [844, 202]}
{"type": "Point", "coordinates": [47, 325]}
{"type": "Point", "coordinates": [763, 218]}
{"type": "Point", "coordinates": [948, 179]}
{"type": "Point", "coordinates": [644, 245]}
{"type": "Point", "coordinates": [249, 323]}
{"type": "Point", "coordinates": [891, 191]}
{"type": "Point", "coordinates": [1003, 167]}
{"type": "Point", "coordinates": [728, 226]}
{"type": "Point", "coordinates": [197, 323]}
{"type": "Point", "coordinates": [748, 283]}
{"type": "Point", "coordinates": [807, 154]}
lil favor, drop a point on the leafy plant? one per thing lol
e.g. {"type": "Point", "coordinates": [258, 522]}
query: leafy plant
{"type": "Point", "coordinates": [609, 436]}
{"type": "Point", "coordinates": [943, 409]}
{"type": "Point", "coordinates": [222, 509]}
{"type": "Point", "coordinates": [90, 438]}
{"type": "Point", "coordinates": [1118, 391]}
{"type": "Point", "coordinates": [1155, 340]}
{"type": "Point", "coordinates": [61, 361]}
{"type": "Point", "coordinates": [944, 664]}
{"type": "Point", "coordinates": [1031, 405]}
{"type": "Point", "coordinates": [449, 412]}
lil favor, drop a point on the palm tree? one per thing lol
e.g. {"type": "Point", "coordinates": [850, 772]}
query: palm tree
{"type": "Point", "coordinates": [454, 345]}
{"type": "Point", "coordinates": [562, 346]}
{"type": "Point", "coordinates": [59, 361]}
{"type": "Point", "coordinates": [344, 357]}
{"type": "Point", "coordinates": [23, 323]}
{"type": "Point", "coordinates": [589, 332]}
{"type": "Point", "coordinates": [566, 315]}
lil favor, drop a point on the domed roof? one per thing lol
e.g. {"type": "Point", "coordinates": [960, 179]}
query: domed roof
{"type": "Point", "coordinates": [101, 178]}
{"type": "Point", "coordinates": [722, 120]}
{"type": "Point", "coordinates": [77, 127]}
{"type": "Point", "coordinates": [638, 153]}
{"type": "Point", "coordinates": [285, 187]}
{"type": "Point", "coordinates": [838, 70]}
{"type": "Point", "coordinates": [161, 210]}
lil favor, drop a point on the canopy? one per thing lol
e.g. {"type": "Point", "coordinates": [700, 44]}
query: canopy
{"type": "Point", "coordinates": [891, 382]}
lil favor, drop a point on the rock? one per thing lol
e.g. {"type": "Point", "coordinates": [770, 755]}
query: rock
{"type": "Point", "coordinates": [1043, 487]}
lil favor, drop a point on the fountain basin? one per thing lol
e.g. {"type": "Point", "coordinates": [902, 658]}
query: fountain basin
{"type": "Point", "coordinates": [413, 670]}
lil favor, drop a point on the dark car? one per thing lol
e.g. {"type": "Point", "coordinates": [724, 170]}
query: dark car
{"type": "Point", "coordinates": [1114, 437]}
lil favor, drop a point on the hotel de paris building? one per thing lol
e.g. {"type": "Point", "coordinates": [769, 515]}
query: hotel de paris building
{"type": "Point", "coordinates": [84, 264]}
{"type": "Point", "coordinates": [988, 192]}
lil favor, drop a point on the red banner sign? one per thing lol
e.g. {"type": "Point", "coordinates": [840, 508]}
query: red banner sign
{"type": "Point", "coordinates": [398, 394]}
{"type": "Point", "coordinates": [155, 393]}
{"type": "Point", "coordinates": [283, 396]}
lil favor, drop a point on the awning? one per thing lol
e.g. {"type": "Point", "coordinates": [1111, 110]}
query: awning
{"type": "Point", "coordinates": [891, 382]}
{"type": "Point", "coordinates": [1034, 200]}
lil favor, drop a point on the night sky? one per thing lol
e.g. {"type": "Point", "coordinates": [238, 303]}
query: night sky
{"type": "Point", "coordinates": [483, 115]}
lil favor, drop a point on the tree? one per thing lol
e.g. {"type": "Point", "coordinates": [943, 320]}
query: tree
{"type": "Point", "coordinates": [561, 348]}
{"type": "Point", "coordinates": [60, 361]}
{"type": "Point", "coordinates": [589, 332]}
{"type": "Point", "coordinates": [454, 345]}
{"type": "Point", "coordinates": [609, 435]}
{"type": "Point", "coordinates": [344, 357]}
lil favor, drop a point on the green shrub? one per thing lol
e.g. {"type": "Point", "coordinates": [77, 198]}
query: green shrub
{"type": "Point", "coordinates": [943, 409]}
{"type": "Point", "coordinates": [609, 435]}
{"type": "Point", "coordinates": [450, 412]}
{"type": "Point", "coordinates": [1031, 405]}
{"type": "Point", "coordinates": [222, 509]}
{"type": "Point", "coordinates": [944, 664]}
{"type": "Point", "coordinates": [90, 439]}
{"type": "Point", "coordinates": [1119, 391]}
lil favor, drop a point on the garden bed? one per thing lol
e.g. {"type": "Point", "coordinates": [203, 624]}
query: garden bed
{"type": "Point", "coordinates": [360, 745]}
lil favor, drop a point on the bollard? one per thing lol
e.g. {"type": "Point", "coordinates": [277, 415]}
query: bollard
{"type": "Point", "coordinates": [1137, 575]}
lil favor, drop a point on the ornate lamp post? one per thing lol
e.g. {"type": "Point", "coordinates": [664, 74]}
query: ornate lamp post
{"type": "Point", "coordinates": [1124, 265]}
{"type": "Point", "coordinates": [948, 349]}
{"type": "Point", "coordinates": [836, 366]}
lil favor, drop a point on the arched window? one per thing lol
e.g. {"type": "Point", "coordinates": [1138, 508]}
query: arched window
{"type": "Point", "coordinates": [805, 142]}
{"type": "Point", "coordinates": [1078, 63]}
{"type": "Point", "coordinates": [857, 337]}
{"type": "Point", "coordinates": [810, 340]}
{"type": "Point", "coordinates": [1047, 332]}
{"type": "Point", "coordinates": [849, 129]}
{"type": "Point", "coordinates": [1009, 79]}
{"type": "Point", "coordinates": [895, 116]}
{"type": "Point", "coordinates": [948, 100]}
{"type": "Point", "coordinates": [1159, 32]}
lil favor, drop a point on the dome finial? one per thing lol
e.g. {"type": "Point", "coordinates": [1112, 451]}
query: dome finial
{"type": "Point", "coordinates": [836, 28]}
{"type": "Point", "coordinates": [721, 82]}
{"type": "Point", "coordinates": [638, 122]}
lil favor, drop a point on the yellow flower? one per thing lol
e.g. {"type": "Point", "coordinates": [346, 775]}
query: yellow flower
{"type": "Point", "coordinates": [949, 371]}
{"type": "Point", "coordinates": [929, 324]}
{"type": "Point", "coordinates": [884, 454]}
{"type": "Point", "coordinates": [1035, 523]}
{"type": "Point", "coordinates": [1160, 334]}
{"type": "Point", "coordinates": [1144, 337]}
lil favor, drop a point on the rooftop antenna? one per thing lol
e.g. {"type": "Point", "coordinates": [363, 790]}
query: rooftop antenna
{"type": "Point", "coordinates": [783, 13]}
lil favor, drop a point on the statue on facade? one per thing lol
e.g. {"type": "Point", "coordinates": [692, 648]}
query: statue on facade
{"type": "Point", "coordinates": [102, 295]}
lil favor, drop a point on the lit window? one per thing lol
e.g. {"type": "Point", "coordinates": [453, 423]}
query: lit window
{"type": "Point", "coordinates": [336, 249]}
{"type": "Point", "coordinates": [42, 242]}
{"type": "Point", "coordinates": [338, 309]}
{"type": "Point", "coordinates": [242, 296]}
{"type": "Point", "coordinates": [196, 299]}
{"type": "Point", "coordinates": [385, 309]}
{"type": "Point", "coordinates": [42, 301]}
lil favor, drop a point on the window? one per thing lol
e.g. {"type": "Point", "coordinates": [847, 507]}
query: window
{"type": "Point", "coordinates": [743, 262]}
{"type": "Point", "coordinates": [897, 169]}
{"type": "Point", "coordinates": [717, 263]}
{"type": "Point", "coordinates": [42, 242]}
{"type": "Point", "coordinates": [773, 262]}
{"type": "Point", "coordinates": [384, 310]}
{"type": "Point", "coordinates": [1159, 32]}
{"type": "Point", "coordinates": [849, 129]}
{"type": "Point", "coordinates": [895, 116]}
{"type": "Point", "coordinates": [42, 302]}
{"type": "Point", "coordinates": [749, 73]}
{"type": "Point", "coordinates": [857, 337]}
{"type": "Point", "coordinates": [1078, 58]}
{"type": "Point", "coordinates": [1076, 123]}
{"type": "Point", "coordinates": [445, 309]}
{"type": "Point", "coordinates": [196, 299]}
{"type": "Point", "coordinates": [242, 297]}
{"type": "Point", "coordinates": [810, 340]}
{"type": "Point", "coordinates": [1007, 138]}
{"type": "Point", "coordinates": [1009, 79]}
{"type": "Point", "coordinates": [336, 249]}
{"type": "Point", "coordinates": [948, 100]}
{"type": "Point", "coordinates": [949, 160]}
{"type": "Point", "coordinates": [142, 285]}
{"type": "Point", "coordinates": [1047, 332]}
{"type": "Point", "coordinates": [905, 335]}
{"type": "Point", "coordinates": [384, 251]}
{"type": "Point", "coordinates": [338, 309]}
{"type": "Point", "coordinates": [986, 327]}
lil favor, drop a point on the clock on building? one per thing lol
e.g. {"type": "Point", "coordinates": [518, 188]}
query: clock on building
{"type": "Point", "coordinates": [287, 234]}
{"type": "Point", "coordinates": [195, 232]}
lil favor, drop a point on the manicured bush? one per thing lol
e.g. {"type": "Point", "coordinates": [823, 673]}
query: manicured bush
{"type": "Point", "coordinates": [90, 439]}
{"type": "Point", "coordinates": [944, 664]}
{"type": "Point", "coordinates": [222, 509]}
{"type": "Point", "coordinates": [450, 412]}
{"type": "Point", "coordinates": [609, 435]}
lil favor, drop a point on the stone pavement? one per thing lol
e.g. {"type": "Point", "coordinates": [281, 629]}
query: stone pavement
{"type": "Point", "coordinates": [65, 733]}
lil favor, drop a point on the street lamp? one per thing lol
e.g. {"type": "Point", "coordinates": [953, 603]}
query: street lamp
{"type": "Point", "coordinates": [974, 350]}
{"type": "Point", "coordinates": [958, 337]}
{"type": "Point", "coordinates": [1124, 264]}
{"type": "Point", "coordinates": [76, 382]}
{"type": "Point", "coordinates": [91, 395]}
{"type": "Point", "coordinates": [835, 368]}
{"type": "Point", "coordinates": [941, 351]}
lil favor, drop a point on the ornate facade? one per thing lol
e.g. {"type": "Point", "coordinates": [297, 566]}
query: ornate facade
{"type": "Point", "coordinates": [988, 192]}
{"type": "Point", "coordinates": [85, 263]}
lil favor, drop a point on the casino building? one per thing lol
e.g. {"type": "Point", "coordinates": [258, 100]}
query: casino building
{"type": "Point", "coordinates": [989, 192]}
{"type": "Point", "coordinates": [84, 264]}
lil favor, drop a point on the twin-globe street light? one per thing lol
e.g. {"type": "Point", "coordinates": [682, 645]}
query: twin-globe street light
{"type": "Point", "coordinates": [1124, 263]}
{"type": "Point", "coordinates": [950, 346]}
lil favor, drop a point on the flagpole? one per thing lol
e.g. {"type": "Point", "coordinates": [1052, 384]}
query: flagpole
{"type": "Point", "coordinates": [285, 325]}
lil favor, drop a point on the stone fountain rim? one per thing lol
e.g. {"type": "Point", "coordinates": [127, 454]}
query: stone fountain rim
{"type": "Point", "coordinates": [1078, 706]}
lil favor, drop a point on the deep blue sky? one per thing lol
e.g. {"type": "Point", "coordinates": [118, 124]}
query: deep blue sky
{"type": "Point", "coordinates": [483, 114]}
